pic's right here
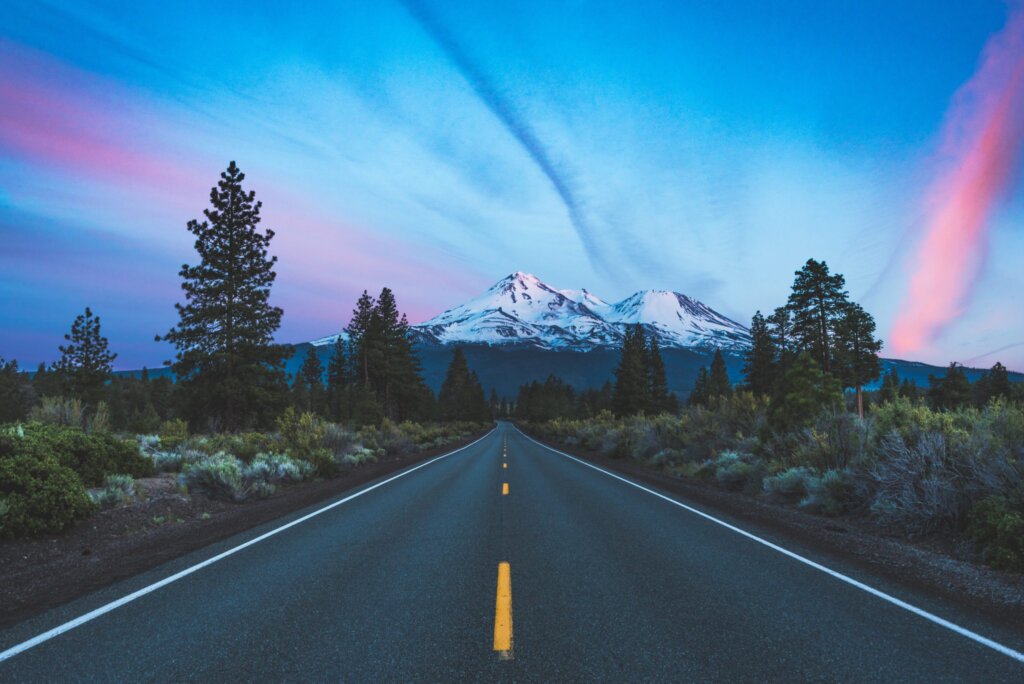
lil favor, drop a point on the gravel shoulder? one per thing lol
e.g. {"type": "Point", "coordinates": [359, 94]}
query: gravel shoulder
{"type": "Point", "coordinates": [39, 574]}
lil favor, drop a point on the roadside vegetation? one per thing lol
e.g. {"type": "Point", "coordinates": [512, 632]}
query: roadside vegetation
{"type": "Point", "coordinates": [228, 422]}
{"type": "Point", "coordinates": [943, 460]}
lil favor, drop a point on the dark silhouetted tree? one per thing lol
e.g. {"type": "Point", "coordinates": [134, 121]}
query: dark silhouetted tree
{"type": "Point", "coordinates": [760, 365]}
{"type": "Point", "coordinates": [461, 396]}
{"type": "Point", "coordinates": [856, 353]}
{"type": "Point", "coordinates": [230, 370]}
{"type": "Point", "coordinates": [817, 304]}
{"type": "Point", "coordinates": [631, 376]}
{"type": "Point", "coordinates": [802, 392]}
{"type": "Point", "coordinates": [718, 378]}
{"type": "Point", "coordinates": [85, 363]}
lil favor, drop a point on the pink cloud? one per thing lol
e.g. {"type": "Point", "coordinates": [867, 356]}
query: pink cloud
{"type": "Point", "coordinates": [982, 141]}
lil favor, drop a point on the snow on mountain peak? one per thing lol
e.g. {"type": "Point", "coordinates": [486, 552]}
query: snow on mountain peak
{"type": "Point", "coordinates": [522, 309]}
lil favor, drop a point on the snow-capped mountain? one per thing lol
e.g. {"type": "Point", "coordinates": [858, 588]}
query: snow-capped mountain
{"type": "Point", "coordinates": [522, 310]}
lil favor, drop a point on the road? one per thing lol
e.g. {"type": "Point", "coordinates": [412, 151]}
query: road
{"type": "Point", "coordinates": [605, 581]}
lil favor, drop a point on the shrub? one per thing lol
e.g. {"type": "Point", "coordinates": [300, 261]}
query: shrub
{"type": "Point", "coordinates": [790, 485]}
{"type": "Point", "coordinates": [338, 440]}
{"type": "Point", "coordinates": [59, 411]}
{"type": "Point", "coordinates": [831, 494]}
{"type": "Point", "coordinates": [41, 496]}
{"type": "Point", "coordinates": [244, 445]}
{"type": "Point", "coordinates": [732, 471]}
{"type": "Point", "coordinates": [358, 457]}
{"type": "Point", "coordinates": [116, 490]}
{"type": "Point", "coordinates": [175, 461]}
{"type": "Point", "coordinates": [173, 432]}
{"type": "Point", "coordinates": [914, 489]}
{"type": "Point", "coordinates": [303, 434]}
{"type": "Point", "coordinates": [273, 468]}
{"type": "Point", "coordinates": [997, 525]}
{"type": "Point", "coordinates": [93, 456]}
{"type": "Point", "coordinates": [218, 476]}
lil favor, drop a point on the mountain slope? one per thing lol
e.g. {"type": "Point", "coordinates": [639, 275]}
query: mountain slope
{"type": "Point", "coordinates": [521, 310]}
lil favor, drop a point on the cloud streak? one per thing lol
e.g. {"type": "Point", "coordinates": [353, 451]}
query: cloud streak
{"type": "Point", "coordinates": [520, 129]}
{"type": "Point", "coordinates": [982, 139]}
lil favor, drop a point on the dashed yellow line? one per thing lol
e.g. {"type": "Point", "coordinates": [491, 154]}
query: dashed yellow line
{"type": "Point", "coordinates": [503, 613]}
{"type": "Point", "coordinates": [504, 488]}
{"type": "Point", "coordinates": [504, 465]}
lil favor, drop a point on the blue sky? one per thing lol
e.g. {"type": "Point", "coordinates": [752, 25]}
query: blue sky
{"type": "Point", "coordinates": [709, 148]}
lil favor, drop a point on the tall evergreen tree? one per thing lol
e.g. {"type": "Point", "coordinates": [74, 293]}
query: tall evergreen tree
{"type": "Point", "coordinates": [227, 363]}
{"type": "Point", "coordinates": [999, 385]}
{"type": "Point", "coordinates": [13, 392]}
{"type": "Point", "coordinates": [951, 391]}
{"type": "Point", "coordinates": [85, 363]}
{"type": "Point", "coordinates": [399, 382]}
{"type": "Point", "coordinates": [461, 396]}
{"type": "Point", "coordinates": [759, 368]}
{"type": "Point", "coordinates": [780, 331]}
{"type": "Point", "coordinates": [700, 394]}
{"type": "Point", "coordinates": [338, 382]}
{"type": "Point", "coordinates": [857, 350]}
{"type": "Point", "coordinates": [631, 376]}
{"type": "Point", "coordinates": [817, 303]}
{"type": "Point", "coordinates": [718, 378]}
{"type": "Point", "coordinates": [658, 398]}
{"type": "Point", "coordinates": [890, 385]}
{"type": "Point", "coordinates": [363, 351]}
{"type": "Point", "coordinates": [311, 378]}
{"type": "Point", "coordinates": [802, 391]}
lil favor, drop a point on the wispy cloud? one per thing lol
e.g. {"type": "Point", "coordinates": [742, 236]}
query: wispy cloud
{"type": "Point", "coordinates": [517, 125]}
{"type": "Point", "coordinates": [982, 141]}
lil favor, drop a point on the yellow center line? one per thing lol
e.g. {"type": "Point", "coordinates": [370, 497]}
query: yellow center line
{"type": "Point", "coordinates": [504, 488]}
{"type": "Point", "coordinates": [503, 613]}
{"type": "Point", "coordinates": [504, 465]}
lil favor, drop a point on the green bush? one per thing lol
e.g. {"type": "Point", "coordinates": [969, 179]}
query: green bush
{"type": "Point", "coordinates": [173, 433]}
{"type": "Point", "coordinates": [40, 495]}
{"type": "Point", "coordinates": [997, 525]}
{"type": "Point", "coordinates": [303, 433]}
{"type": "Point", "coordinates": [790, 485]}
{"type": "Point", "coordinates": [93, 456]}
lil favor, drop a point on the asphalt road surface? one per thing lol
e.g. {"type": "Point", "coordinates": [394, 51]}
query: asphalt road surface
{"type": "Point", "coordinates": [605, 581]}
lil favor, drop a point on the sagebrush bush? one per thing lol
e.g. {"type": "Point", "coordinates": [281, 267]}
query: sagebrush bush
{"type": "Point", "coordinates": [834, 493]}
{"type": "Point", "coordinates": [116, 490]}
{"type": "Point", "coordinates": [791, 485]}
{"type": "Point", "coordinates": [274, 468]}
{"type": "Point", "coordinates": [218, 476]}
{"type": "Point", "coordinates": [41, 495]}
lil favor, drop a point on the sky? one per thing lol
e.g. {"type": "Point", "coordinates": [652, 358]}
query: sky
{"type": "Point", "coordinates": [434, 147]}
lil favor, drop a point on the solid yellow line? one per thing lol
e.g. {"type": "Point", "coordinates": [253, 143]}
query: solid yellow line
{"type": "Point", "coordinates": [503, 612]}
{"type": "Point", "coordinates": [504, 489]}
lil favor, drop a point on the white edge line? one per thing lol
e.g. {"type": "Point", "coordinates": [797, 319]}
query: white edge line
{"type": "Point", "coordinates": [931, 617]}
{"type": "Point", "coordinates": [113, 605]}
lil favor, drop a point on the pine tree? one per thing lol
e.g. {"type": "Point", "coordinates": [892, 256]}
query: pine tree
{"type": "Point", "coordinates": [802, 391]}
{"type": "Point", "coordinates": [890, 385]}
{"type": "Point", "coordinates": [658, 398]}
{"type": "Point", "coordinates": [759, 368]}
{"type": "Point", "coordinates": [999, 382]}
{"type": "Point", "coordinates": [631, 376]}
{"type": "Point", "coordinates": [700, 395]}
{"type": "Point", "coordinates": [461, 396]}
{"type": "Point", "coordinates": [13, 390]}
{"type": "Point", "coordinates": [952, 391]}
{"type": "Point", "coordinates": [780, 330]}
{"type": "Point", "coordinates": [718, 378]}
{"type": "Point", "coordinates": [311, 378]}
{"type": "Point", "coordinates": [817, 304]}
{"type": "Point", "coordinates": [362, 343]}
{"type": "Point", "coordinates": [857, 350]}
{"type": "Point", "coordinates": [85, 364]}
{"type": "Point", "coordinates": [399, 383]}
{"type": "Point", "coordinates": [227, 363]}
{"type": "Point", "coordinates": [338, 383]}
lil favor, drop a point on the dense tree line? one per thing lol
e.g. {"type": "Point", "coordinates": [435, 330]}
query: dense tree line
{"type": "Point", "coordinates": [555, 398]}
{"type": "Point", "coordinates": [812, 347]}
{"type": "Point", "coordinates": [640, 382]}
{"type": "Point", "coordinates": [229, 372]}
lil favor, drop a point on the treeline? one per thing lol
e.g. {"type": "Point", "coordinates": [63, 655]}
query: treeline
{"type": "Point", "coordinates": [555, 398]}
{"type": "Point", "coordinates": [229, 372]}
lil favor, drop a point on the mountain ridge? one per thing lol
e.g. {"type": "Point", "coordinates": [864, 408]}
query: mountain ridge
{"type": "Point", "coordinates": [522, 310]}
